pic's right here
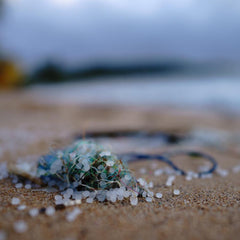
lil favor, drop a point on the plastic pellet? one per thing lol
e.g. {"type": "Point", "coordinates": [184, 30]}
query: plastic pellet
{"type": "Point", "coordinates": [71, 216]}
{"type": "Point", "coordinates": [89, 200]}
{"type": "Point", "coordinates": [18, 185]}
{"type": "Point", "coordinates": [148, 199]}
{"type": "Point", "coordinates": [188, 178]}
{"type": "Point", "coordinates": [151, 185]}
{"type": "Point", "coordinates": [3, 235]}
{"type": "Point", "coordinates": [50, 211]}
{"type": "Point", "coordinates": [176, 192]}
{"type": "Point", "coordinates": [15, 201]}
{"type": "Point", "coordinates": [33, 212]}
{"type": "Point", "coordinates": [20, 226]}
{"type": "Point", "coordinates": [159, 195]}
{"type": "Point", "coordinates": [28, 186]}
{"type": "Point", "coordinates": [21, 207]}
{"type": "Point", "coordinates": [133, 201]}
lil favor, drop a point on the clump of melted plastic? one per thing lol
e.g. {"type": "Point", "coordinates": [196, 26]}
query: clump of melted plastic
{"type": "Point", "coordinates": [85, 165]}
{"type": "Point", "coordinates": [84, 170]}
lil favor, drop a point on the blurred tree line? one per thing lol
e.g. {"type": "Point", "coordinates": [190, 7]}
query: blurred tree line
{"type": "Point", "coordinates": [52, 72]}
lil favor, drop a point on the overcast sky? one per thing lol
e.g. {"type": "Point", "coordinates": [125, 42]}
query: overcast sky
{"type": "Point", "coordinates": [88, 31]}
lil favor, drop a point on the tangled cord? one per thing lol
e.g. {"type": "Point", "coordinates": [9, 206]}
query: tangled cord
{"type": "Point", "coordinates": [165, 157]}
{"type": "Point", "coordinates": [134, 157]}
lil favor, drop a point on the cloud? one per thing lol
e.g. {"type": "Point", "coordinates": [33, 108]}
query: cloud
{"type": "Point", "coordinates": [91, 30]}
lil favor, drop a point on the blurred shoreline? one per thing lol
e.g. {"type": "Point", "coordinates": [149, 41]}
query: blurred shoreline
{"type": "Point", "coordinates": [199, 93]}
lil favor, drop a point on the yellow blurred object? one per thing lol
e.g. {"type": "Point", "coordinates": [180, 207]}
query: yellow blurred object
{"type": "Point", "coordinates": [10, 75]}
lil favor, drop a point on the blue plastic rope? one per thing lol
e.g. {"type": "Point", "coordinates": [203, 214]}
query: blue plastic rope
{"type": "Point", "coordinates": [134, 157]}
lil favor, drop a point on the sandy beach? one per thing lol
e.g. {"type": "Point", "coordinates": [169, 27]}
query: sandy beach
{"type": "Point", "coordinates": [119, 120]}
{"type": "Point", "coordinates": [205, 208]}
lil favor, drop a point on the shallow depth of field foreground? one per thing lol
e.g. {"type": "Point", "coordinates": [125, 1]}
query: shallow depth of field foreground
{"type": "Point", "coordinates": [203, 208]}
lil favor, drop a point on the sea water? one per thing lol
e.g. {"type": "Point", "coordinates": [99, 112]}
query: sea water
{"type": "Point", "coordinates": [221, 93]}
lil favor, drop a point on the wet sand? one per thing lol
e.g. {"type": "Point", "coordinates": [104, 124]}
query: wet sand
{"type": "Point", "coordinates": [205, 208]}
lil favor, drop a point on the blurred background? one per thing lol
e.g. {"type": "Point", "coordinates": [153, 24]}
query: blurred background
{"type": "Point", "coordinates": [139, 52]}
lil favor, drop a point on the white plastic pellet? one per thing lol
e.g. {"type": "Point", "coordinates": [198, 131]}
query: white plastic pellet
{"type": "Point", "coordinates": [142, 182]}
{"type": "Point", "coordinates": [148, 199]}
{"type": "Point", "coordinates": [19, 185]}
{"type": "Point", "coordinates": [71, 216]}
{"type": "Point", "coordinates": [159, 195]}
{"type": "Point", "coordinates": [133, 200]}
{"type": "Point", "coordinates": [33, 212]}
{"type": "Point", "coordinates": [50, 211]}
{"type": "Point", "coordinates": [3, 235]}
{"type": "Point", "coordinates": [58, 197]}
{"type": "Point", "coordinates": [86, 194]}
{"type": "Point", "coordinates": [176, 192]}
{"type": "Point", "coordinates": [113, 198]}
{"type": "Point", "coordinates": [78, 201]}
{"type": "Point", "coordinates": [170, 181]}
{"type": "Point", "coordinates": [69, 203]}
{"type": "Point", "coordinates": [69, 191]}
{"type": "Point", "coordinates": [59, 202]}
{"type": "Point", "coordinates": [3, 170]}
{"type": "Point", "coordinates": [89, 200]}
{"type": "Point", "coordinates": [15, 201]}
{"type": "Point", "coordinates": [28, 186]}
{"type": "Point", "coordinates": [20, 226]}
{"type": "Point", "coordinates": [151, 185]}
{"type": "Point", "coordinates": [21, 207]}
{"type": "Point", "coordinates": [188, 178]}
{"type": "Point", "coordinates": [222, 172]}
